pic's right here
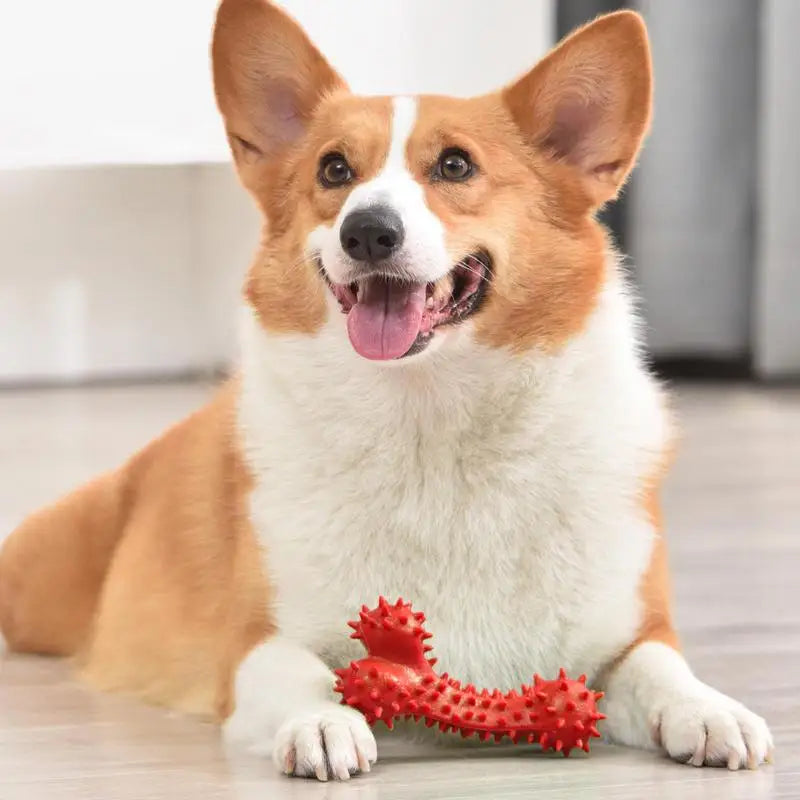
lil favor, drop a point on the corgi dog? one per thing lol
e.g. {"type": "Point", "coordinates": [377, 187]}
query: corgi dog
{"type": "Point", "coordinates": [440, 395]}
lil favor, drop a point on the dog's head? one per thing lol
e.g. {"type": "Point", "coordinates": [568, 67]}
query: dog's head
{"type": "Point", "coordinates": [417, 216]}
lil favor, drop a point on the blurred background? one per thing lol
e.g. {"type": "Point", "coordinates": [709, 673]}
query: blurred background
{"type": "Point", "coordinates": [124, 236]}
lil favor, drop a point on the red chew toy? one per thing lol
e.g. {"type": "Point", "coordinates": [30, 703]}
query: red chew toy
{"type": "Point", "coordinates": [396, 680]}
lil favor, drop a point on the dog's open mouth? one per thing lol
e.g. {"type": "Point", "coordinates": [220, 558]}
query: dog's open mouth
{"type": "Point", "coordinates": [388, 318]}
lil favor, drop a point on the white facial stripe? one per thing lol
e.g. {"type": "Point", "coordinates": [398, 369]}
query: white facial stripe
{"type": "Point", "coordinates": [404, 118]}
{"type": "Point", "coordinates": [392, 185]}
{"type": "Point", "coordinates": [423, 256]}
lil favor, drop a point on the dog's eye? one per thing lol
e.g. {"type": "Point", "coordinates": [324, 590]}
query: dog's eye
{"type": "Point", "coordinates": [334, 171]}
{"type": "Point", "coordinates": [454, 165]}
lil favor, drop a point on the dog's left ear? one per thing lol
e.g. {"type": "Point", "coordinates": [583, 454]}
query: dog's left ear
{"type": "Point", "coordinates": [588, 102]}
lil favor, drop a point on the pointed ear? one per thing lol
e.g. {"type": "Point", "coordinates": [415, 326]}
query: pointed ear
{"type": "Point", "coordinates": [587, 103]}
{"type": "Point", "coordinates": [268, 77]}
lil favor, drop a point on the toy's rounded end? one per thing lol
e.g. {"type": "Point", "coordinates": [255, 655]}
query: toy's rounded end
{"type": "Point", "coordinates": [393, 631]}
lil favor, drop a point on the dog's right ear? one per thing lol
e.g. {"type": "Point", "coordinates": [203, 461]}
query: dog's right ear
{"type": "Point", "coordinates": [268, 78]}
{"type": "Point", "coordinates": [587, 103]}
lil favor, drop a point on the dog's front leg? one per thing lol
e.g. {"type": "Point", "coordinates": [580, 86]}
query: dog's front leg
{"type": "Point", "coordinates": [654, 699]}
{"type": "Point", "coordinates": [286, 708]}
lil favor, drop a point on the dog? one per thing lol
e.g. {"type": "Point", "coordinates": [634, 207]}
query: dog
{"type": "Point", "coordinates": [441, 394]}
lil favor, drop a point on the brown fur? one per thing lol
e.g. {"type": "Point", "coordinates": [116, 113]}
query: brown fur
{"type": "Point", "coordinates": [53, 567]}
{"type": "Point", "coordinates": [655, 588]}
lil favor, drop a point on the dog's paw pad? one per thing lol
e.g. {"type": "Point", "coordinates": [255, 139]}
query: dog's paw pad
{"type": "Point", "coordinates": [333, 743]}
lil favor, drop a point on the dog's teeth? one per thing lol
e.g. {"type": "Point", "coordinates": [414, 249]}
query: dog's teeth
{"type": "Point", "coordinates": [442, 290]}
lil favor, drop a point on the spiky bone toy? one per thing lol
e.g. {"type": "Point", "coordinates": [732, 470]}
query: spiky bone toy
{"type": "Point", "coordinates": [397, 680]}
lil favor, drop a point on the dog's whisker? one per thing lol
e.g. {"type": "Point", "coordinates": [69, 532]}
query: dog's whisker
{"type": "Point", "coordinates": [466, 264]}
{"type": "Point", "coordinates": [470, 269]}
{"type": "Point", "coordinates": [485, 273]}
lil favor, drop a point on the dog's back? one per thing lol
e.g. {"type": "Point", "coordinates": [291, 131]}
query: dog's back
{"type": "Point", "coordinates": [149, 576]}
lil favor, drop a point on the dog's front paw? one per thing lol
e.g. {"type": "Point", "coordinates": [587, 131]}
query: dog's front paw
{"type": "Point", "coordinates": [331, 742]}
{"type": "Point", "coordinates": [713, 730]}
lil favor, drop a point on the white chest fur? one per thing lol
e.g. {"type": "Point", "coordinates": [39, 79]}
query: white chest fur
{"type": "Point", "coordinates": [499, 493]}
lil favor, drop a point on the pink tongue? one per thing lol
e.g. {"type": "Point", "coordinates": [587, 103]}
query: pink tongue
{"type": "Point", "coordinates": [385, 321]}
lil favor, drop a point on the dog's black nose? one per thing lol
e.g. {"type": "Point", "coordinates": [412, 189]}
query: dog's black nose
{"type": "Point", "coordinates": [371, 234]}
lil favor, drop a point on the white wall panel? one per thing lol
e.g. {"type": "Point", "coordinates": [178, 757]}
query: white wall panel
{"type": "Point", "coordinates": [98, 81]}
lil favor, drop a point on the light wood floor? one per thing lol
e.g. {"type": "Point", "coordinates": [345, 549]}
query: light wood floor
{"type": "Point", "coordinates": [733, 509]}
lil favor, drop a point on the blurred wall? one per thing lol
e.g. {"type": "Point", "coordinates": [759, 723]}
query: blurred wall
{"type": "Point", "coordinates": [112, 271]}
{"type": "Point", "coordinates": [710, 216]}
{"type": "Point", "coordinates": [776, 317]}
{"type": "Point", "coordinates": [692, 210]}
